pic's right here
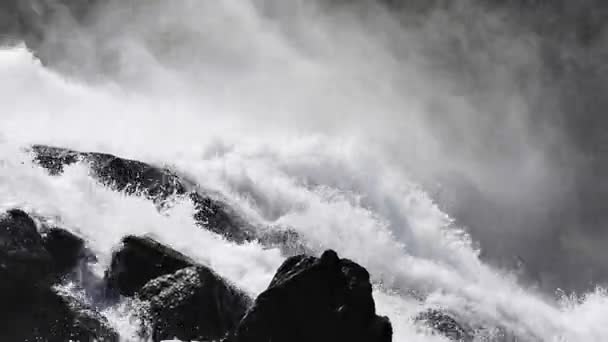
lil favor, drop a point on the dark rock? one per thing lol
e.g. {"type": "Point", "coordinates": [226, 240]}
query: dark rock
{"type": "Point", "coordinates": [193, 303]}
{"type": "Point", "coordinates": [445, 325]}
{"type": "Point", "coordinates": [156, 183]}
{"type": "Point", "coordinates": [30, 265]}
{"type": "Point", "coordinates": [29, 260]}
{"type": "Point", "coordinates": [24, 262]}
{"type": "Point", "coordinates": [126, 175]}
{"type": "Point", "coordinates": [220, 219]}
{"type": "Point", "coordinates": [139, 260]}
{"type": "Point", "coordinates": [65, 248]}
{"type": "Point", "coordinates": [48, 316]}
{"type": "Point", "coordinates": [54, 159]}
{"type": "Point", "coordinates": [133, 176]}
{"type": "Point", "coordinates": [315, 299]}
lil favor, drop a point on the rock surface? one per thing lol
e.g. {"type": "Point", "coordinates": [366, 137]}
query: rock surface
{"type": "Point", "coordinates": [139, 260]}
{"type": "Point", "coordinates": [65, 248]}
{"type": "Point", "coordinates": [30, 265]}
{"type": "Point", "coordinates": [179, 298]}
{"type": "Point", "coordinates": [193, 303]}
{"type": "Point", "coordinates": [315, 299]}
{"type": "Point", "coordinates": [445, 325]}
{"type": "Point", "coordinates": [48, 316]}
{"type": "Point", "coordinates": [158, 184]}
{"type": "Point", "coordinates": [25, 264]}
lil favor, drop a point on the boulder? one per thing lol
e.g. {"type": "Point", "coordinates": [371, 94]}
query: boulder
{"type": "Point", "coordinates": [48, 316]}
{"type": "Point", "coordinates": [24, 262]}
{"type": "Point", "coordinates": [139, 260]}
{"type": "Point", "coordinates": [66, 249]}
{"type": "Point", "coordinates": [30, 265]}
{"type": "Point", "coordinates": [29, 259]}
{"type": "Point", "coordinates": [193, 303]}
{"type": "Point", "coordinates": [315, 299]}
{"type": "Point", "coordinates": [444, 324]}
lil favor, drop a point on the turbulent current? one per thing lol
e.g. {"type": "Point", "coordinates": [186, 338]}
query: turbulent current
{"type": "Point", "coordinates": [324, 131]}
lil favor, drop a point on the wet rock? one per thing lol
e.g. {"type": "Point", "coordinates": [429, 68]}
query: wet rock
{"type": "Point", "coordinates": [48, 316]}
{"type": "Point", "coordinates": [193, 303]}
{"type": "Point", "coordinates": [315, 299]}
{"type": "Point", "coordinates": [24, 262]}
{"type": "Point", "coordinates": [65, 248]}
{"type": "Point", "coordinates": [31, 260]}
{"type": "Point", "coordinates": [133, 176]}
{"type": "Point", "coordinates": [30, 265]}
{"type": "Point", "coordinates": [445, 325]}
{"type": "Point", "coordinates": [156, 183]}
{"type": "Point", "coordinates": [139, 260]}
{"type": "Point", "coordinates": [53, 158]}
{"type": "Point", "coordinates": [121, 174]}
{"type": "Point", "coordinates": [220, 219]}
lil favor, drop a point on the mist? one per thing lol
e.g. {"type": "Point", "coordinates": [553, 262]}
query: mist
{"type": "Point", "coordinates": [493, 111]}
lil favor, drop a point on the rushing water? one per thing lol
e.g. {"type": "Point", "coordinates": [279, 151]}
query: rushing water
{"type": "Point", "coordinates": [293, 132]}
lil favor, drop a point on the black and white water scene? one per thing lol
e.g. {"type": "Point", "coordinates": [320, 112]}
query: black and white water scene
{"type": "Point", "coordinates": [304, 170]}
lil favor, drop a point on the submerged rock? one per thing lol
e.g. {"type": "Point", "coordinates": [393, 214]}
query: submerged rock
{"type": "Point", "coordinates": [445, 325]}
{"type": "Point", "coordinates": [193, 303]}
{"type": "Point", "coordinates": [139, 260]}
{"type": "Point", "coordinates": [315, 299]}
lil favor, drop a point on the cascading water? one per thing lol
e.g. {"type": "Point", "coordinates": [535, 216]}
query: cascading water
{"type": "Point", "coordinates": [292, 129]}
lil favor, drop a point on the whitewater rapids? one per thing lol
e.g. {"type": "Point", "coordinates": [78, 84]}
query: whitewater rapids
{"type": "Point", "coordinates": [335, 189]}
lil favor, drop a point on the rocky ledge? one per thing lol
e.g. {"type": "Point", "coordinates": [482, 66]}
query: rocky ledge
{"type": "Point", "coordinates": [159, 184]}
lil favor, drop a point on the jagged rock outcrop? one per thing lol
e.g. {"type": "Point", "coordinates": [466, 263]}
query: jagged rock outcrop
{"type": "Point", "coordinates": [121, 174]}
{"type": "Point", "coordinates": [139, 260]}
{"type": "Point", "coordinates": [315, 299]}
{"type": "Point", "coordinates": [193, 303]}
{"type": "Point", "coordinates": [30, 265]}
{"type": "Point", "coordinates": [158, 184]}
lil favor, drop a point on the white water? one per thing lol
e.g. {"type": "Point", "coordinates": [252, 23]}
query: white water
{"type": "Point", "coordinates": [289, 140]}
